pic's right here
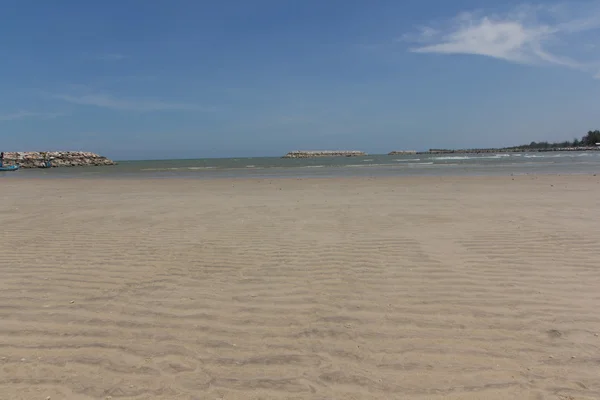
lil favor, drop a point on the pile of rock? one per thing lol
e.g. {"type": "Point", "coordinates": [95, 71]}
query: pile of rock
{"type": "Point", "coordinates": [510, 150]}
{"type": "Point", "coordinates": [324, 153]}
{"type": "Point", "coordinates": [38, 159]}
{"type": "Point", "coordinates": [402, 152]}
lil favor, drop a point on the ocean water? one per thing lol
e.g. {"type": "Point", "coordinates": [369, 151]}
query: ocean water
{"type": "Point", "coordinates": [371, 165]}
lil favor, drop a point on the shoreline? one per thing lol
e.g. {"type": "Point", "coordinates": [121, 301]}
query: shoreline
{"type": "Point", "coordinates": [405, 179]}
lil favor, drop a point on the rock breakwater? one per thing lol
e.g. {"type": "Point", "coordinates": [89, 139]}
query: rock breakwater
{"type": "Point", "coordinates": [510, 150]}
{"type": "Point", "coordinates": [38, 159]}
{"type": "Point", "coordinates": [324, 153]}
{"type": "Point", "coordinates": [402, 152]}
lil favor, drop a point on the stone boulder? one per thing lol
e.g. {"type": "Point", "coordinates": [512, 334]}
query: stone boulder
{"type": "Point", "coordinates": [38, 159]}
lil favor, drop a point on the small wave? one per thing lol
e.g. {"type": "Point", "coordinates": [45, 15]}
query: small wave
{"type": "Point", "coordinates": [176, 168]}
{"type": "Point", "coordinates": [494, 157]}
{"type": "Point", "coordinates": [387, 165]}
{"type": "Point", "coordinates": [369, 165]}
{"type": "Point", "coordinates": [313, 166]}
{"type": "Point", "coordinates": [414, 164]}
{"type": "Point", "coordinates": [406, 159]}
{"type": "Point", "coordinates": [367, 160]}
{"type": "Point", "coordinates": [453, 158]}
{"type": "Point", "coordinates": [162, 169]}
{"type": "Point", "coordinates": [250, 166]}
{"type": "Point", "coordinates": [474, 157]}
{"type": "Point", "coordinates": [545, 156]}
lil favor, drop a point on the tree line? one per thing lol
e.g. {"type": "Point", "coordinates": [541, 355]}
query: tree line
{"type": "Point", "coordinates": [589, 140]}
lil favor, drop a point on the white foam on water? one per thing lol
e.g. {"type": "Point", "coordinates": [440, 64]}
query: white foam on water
{"type": "Point", "coordinates": [176, 168]}
{"type": "Point", "coordinates": [407, 160]}
{"type": "Point", "coordinates": [369, 165]}
{"type": "Point", "coordinates": [389, 165]}
{"type": "Point", "coordinates": [368, 159]}
{"type": "Point", "coordinates": [473, 157]}
{"type": "Point", "coordinates": [545, 156]}
{"type": "Point", "coordinates": [161, 169]}
{"type": "Point", "coordinates": [454, 158]}
{"type": "Point", "coordinates": [494, 157]}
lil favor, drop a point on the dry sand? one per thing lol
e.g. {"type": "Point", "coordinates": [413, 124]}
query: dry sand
{"type": "Point", "coordinates": [436, 288]}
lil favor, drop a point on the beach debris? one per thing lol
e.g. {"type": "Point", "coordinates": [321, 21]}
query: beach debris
{"type": "Point", "coordinates": [72, 301]}
{"type": "Point", "coordinates": [554, 333]}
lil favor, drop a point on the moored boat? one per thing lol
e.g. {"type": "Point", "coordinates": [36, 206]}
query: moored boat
{"type": "Point", "coordinates": [9, 168]}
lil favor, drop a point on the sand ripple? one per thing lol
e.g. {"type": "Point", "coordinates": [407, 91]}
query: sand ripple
{"type": "Point", "coordinates": [448, 288]}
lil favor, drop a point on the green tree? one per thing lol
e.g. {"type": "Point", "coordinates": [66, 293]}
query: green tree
{"type": "Point", "coordinates": [591, 138]}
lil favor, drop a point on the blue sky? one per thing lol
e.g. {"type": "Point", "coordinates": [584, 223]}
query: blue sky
{"type": "Point", "coordinates": [190, 78]}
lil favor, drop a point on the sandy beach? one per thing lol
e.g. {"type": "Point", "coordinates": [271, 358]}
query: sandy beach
{"type": "Point", "coordinates": [349, 288]}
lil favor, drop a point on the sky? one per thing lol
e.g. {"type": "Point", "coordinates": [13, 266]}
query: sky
{"type": "Point", "coordinates": [152, 79]}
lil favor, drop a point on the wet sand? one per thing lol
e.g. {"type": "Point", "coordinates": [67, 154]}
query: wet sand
{"type": "Point", "coordinates": [355, 288]}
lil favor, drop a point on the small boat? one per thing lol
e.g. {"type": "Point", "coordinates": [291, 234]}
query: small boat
{"type": "Point", "coordinates": [9, 168]}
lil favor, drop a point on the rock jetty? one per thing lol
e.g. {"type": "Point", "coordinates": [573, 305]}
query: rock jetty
{"type": "Point", "coordinates": [324, 153]}
{"type": "Point", "coordinates": [38, 159]}
{"type": "Point", "coordinates": [509, 150]}
{"type": "Point", "coordinates": [402, 152]}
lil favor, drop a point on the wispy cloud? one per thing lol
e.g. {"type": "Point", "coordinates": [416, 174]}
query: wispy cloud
{"type": "Point", "coordinates": [28, 114]}
{"type": "Point", "coordinates": [539, 35]}
{"type": "Point", "coordinates": [142, 104]}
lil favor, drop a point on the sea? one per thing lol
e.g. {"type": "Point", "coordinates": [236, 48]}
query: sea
{"type": "Point", "coordinates": [366, 166]}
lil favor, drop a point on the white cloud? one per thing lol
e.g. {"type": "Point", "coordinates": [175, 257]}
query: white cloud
{"type": "Point", "coordinates": [128, 104]}
{"type": "Point", "coordinates": [28, 114]}
{"type": "Point", "coordinates": [526, 35]}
